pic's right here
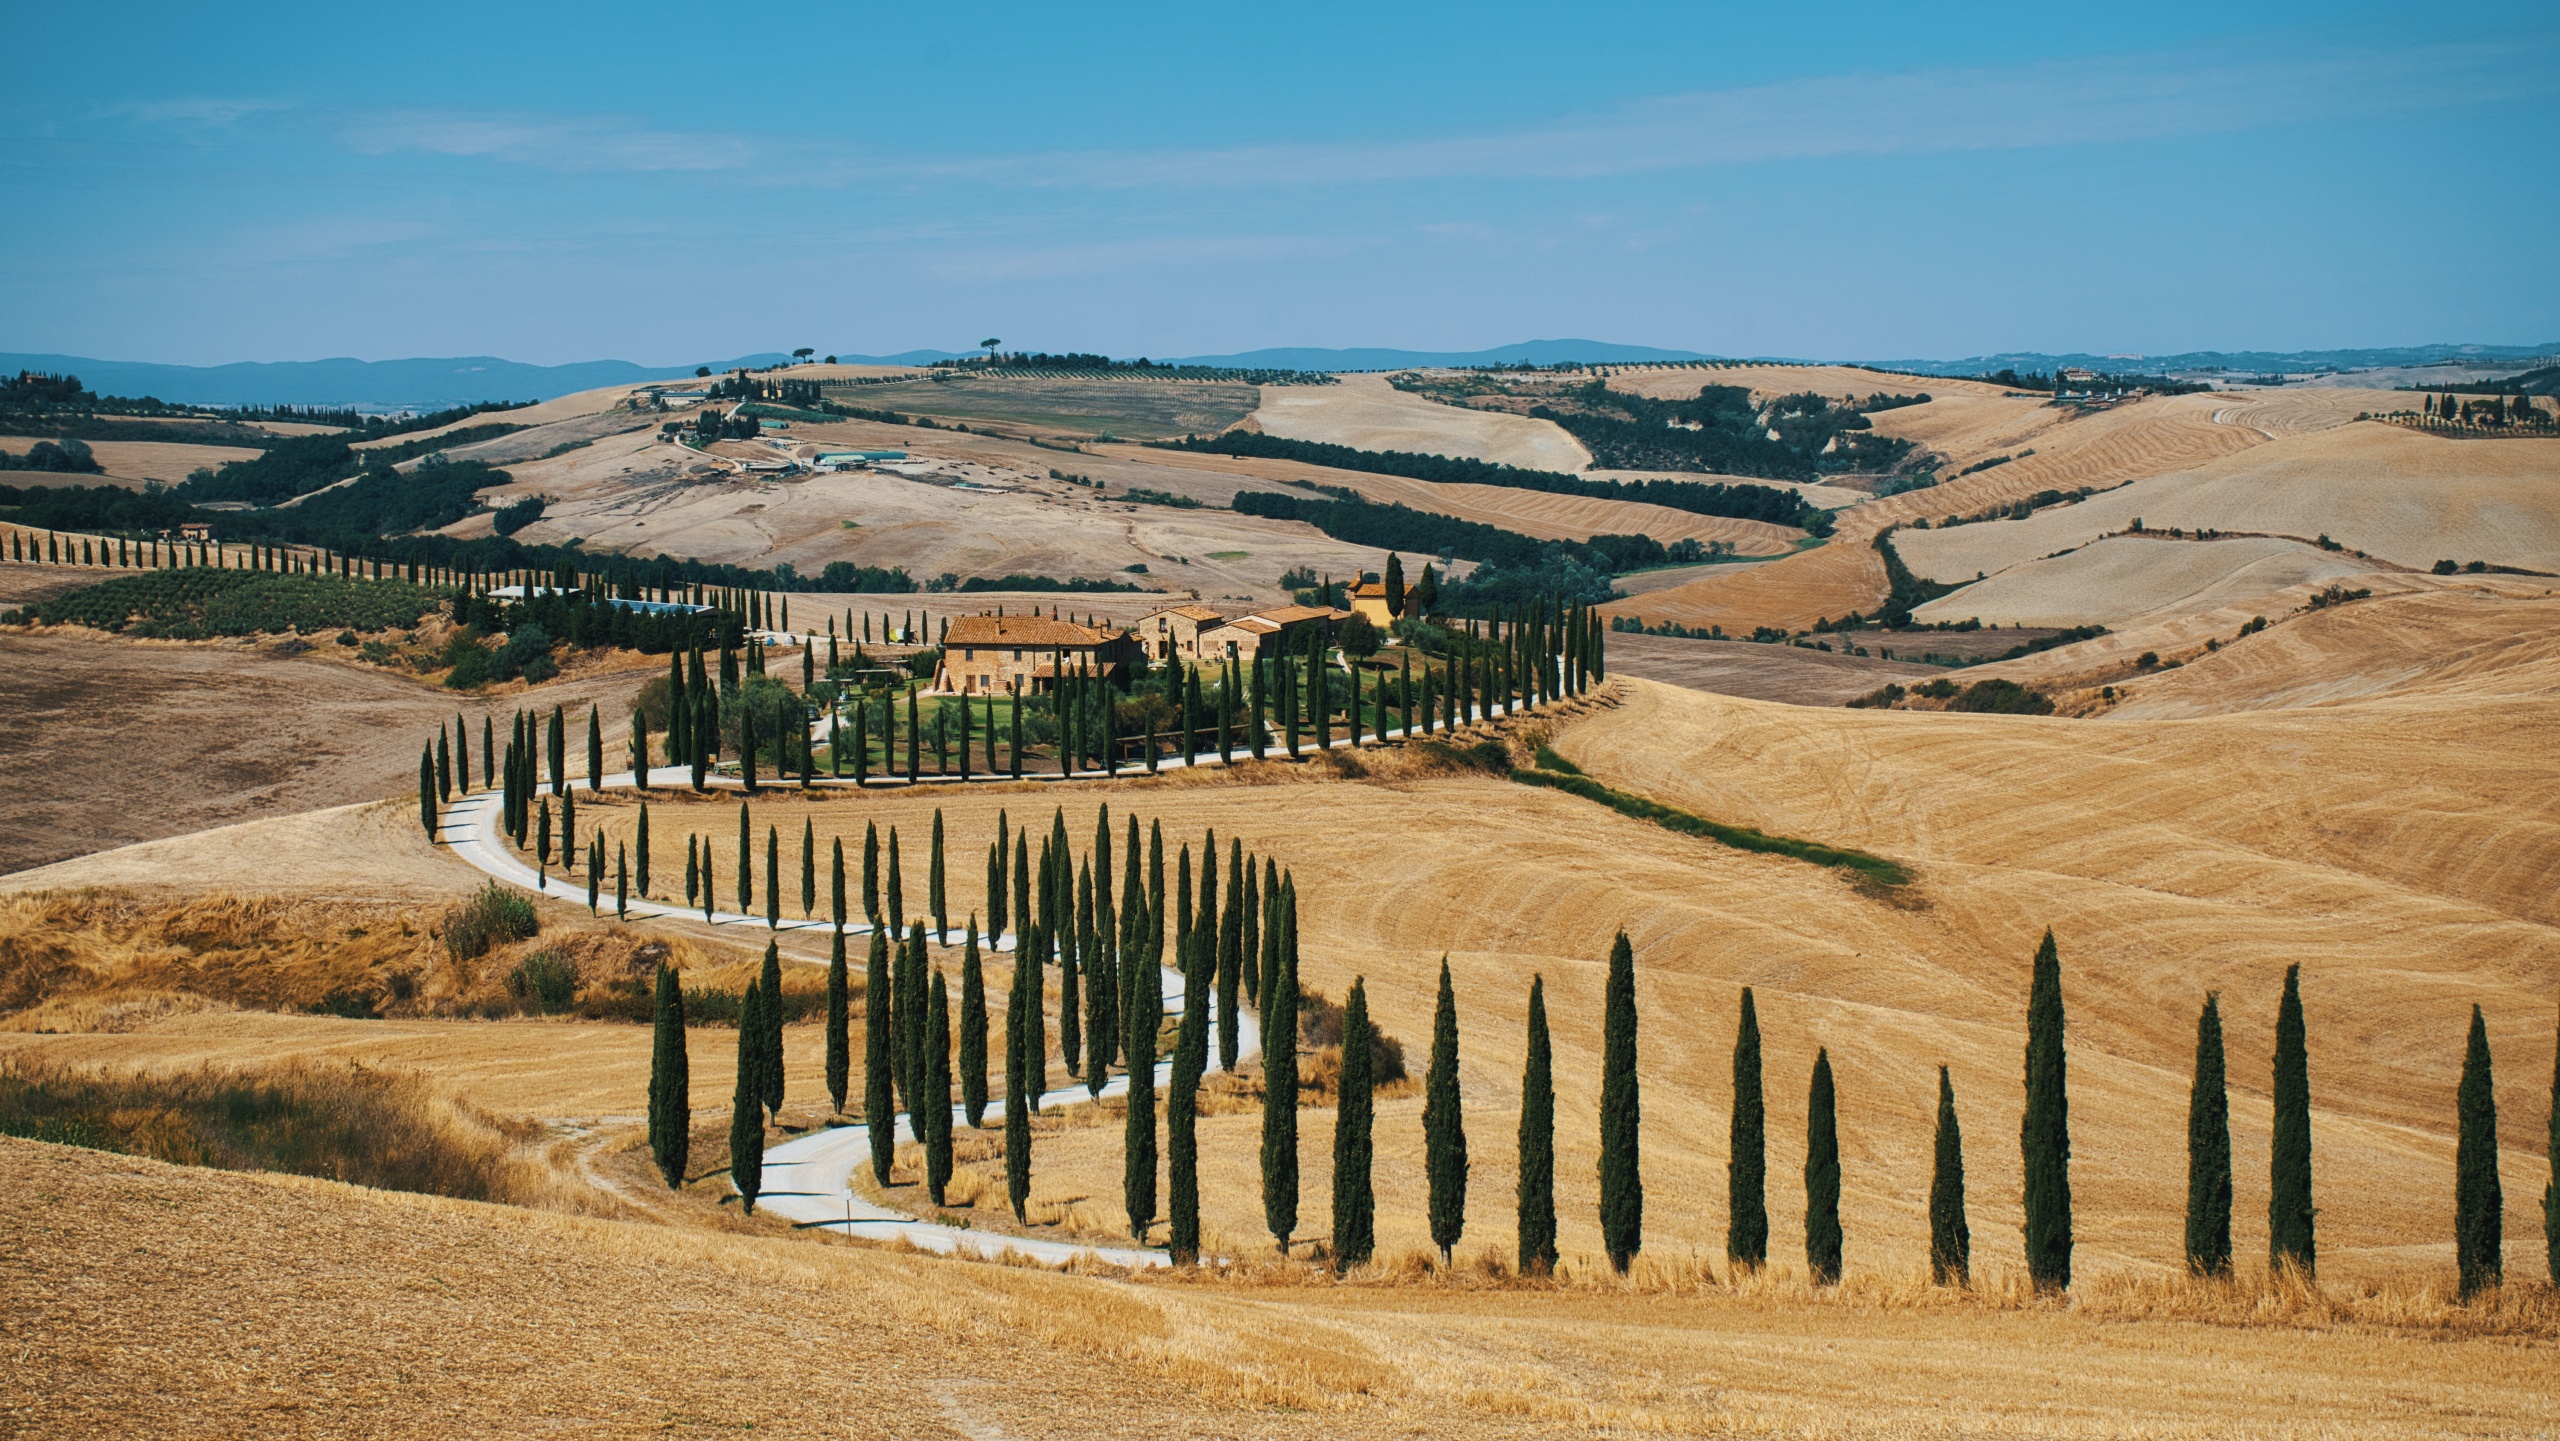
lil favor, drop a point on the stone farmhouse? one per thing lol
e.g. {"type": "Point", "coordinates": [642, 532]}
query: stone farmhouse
{"type": "Point", "coordinates": [1001, 654]}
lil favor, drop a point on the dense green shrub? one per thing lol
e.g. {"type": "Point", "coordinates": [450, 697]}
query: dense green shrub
{"type": "Point", "coordinates": [70, 455]}
{"type": "Point", "coordinates": [2001, 697]}
{"type": "Point", "coordinates": [492, 915]}
{"type": "Point", "coordinates": [545, 979]}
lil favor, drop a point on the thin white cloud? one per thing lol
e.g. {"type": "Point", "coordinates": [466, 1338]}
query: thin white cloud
{"type": "Point", "coordinates": [2115, 98]}
{"type": "Point", "coordinates": [598, 142]}
{"type": "Point", "coordinates": [202, 110]}
{"type": "Point", "coordinates": [1918, 112]}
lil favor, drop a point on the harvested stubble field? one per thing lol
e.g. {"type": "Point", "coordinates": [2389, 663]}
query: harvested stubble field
{"type": "Point", "coordinates": [2100, 450]}
{"type": "Point", "coordinates": [2127, 580]}
{"type": "Point", "coordinates": [500, 1321]}
{"type": "Point", "coordinates": [1367, 413]}
{"type": "Point", "coordinates": [129, 463]}
{"type": "Point", "coordinates": [2412, 499]}
{"type": "Point", "coordinates": [2170, 857]}
{"type": "Point", "coordinates": [115, 741]}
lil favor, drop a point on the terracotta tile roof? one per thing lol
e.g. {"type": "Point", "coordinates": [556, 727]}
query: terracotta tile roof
{"type": "Point", "coordinates": [1189, 612]}
{"type": "Point", "coordinates": [1295, 614]}
{"type": "Point", "coordinates": [1251, 623]}
{"type": "Point", "coordinates": [1370, 590]}
{"type": "Point", "coordinates": [1022, 630]}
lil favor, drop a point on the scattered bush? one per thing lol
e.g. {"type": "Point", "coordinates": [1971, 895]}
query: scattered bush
{"type": "Point", "coordinates": [1358, 637]}
{"type": "Point", "coordinates": [546, 980]}
{"type": "Point", "coordinates": [2001, 697]}
{"type": "Point", "coordinates": [494, 914]}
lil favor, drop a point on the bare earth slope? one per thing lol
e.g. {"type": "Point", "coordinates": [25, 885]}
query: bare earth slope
{"type": "Point", "coordinates": [2413, 499]}
{"type": "Point", "coordinates": [115, 741]}
{"type": "Point", "coordinates": [1367, 413]}
{"type": "Point", "coordinates": [2103, 449]}
{"type": "Point", "coordinates": [2127, 579]}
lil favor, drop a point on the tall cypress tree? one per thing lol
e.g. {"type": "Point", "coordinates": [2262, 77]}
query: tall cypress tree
{"type": "Point", "coordinates": [839, 1024]}
{"type": "Point", "coordinates": [1075, 1002]}
{"type": "Point", "coordinates": [1950, 1239]}
{"type": "Point", "coordinates": [2551, 1188]}
{"type": "Point", "coordinates": [1017, 1109]}
{"type": "Point", "coordinates": [909, 982]}
{"type": "Point", "coordinates": [1230, 977]}
{"type": "Point", "coordinates": [2044, 1135]}
{"type": "Point", "coordinates": [1444, 1130]}
{"type": "Point", "coordinates": [639, 840]}
{"type": "Point", "coordinates": [893, 891]}
{"type": "Point", "coordinates": [2289, 1213]}
{"type": "Point", "coordinates": [427, 790]}
{"type": "Point", "coordinates": [1182, 1102]}
{"type": "Point", "coordinates": [595, 749]}
{"type": "Point", "coordinates": [973, 1031]}
{"type": "Point", "coordinates": [1621, 1114]}
{"type": "Point", "coordinates": [746, 862]}
{"type": "Point", "coordinates": [1138, 1174]}
{"type": "Point", "coordinates": [2479, 1210]}
{"type": "Point", "coordinates": [835, 885]}
{"type": "Point", "coordinates": [746, 1105]}
{"type": "Point", "coordinates": [808, 867]}
{"type": "Point", "coordinates": [670, 1082]}
{"type": "Point", "coordinates": [1355, 1201]}
{"type": "Point", "coordinates": [1822, 1175]}
{"type": "Point", "coordinates": [879, 1105]}
{"type": "Point", "coordinates": [1280, 1073]}
{"type": "Point", "coordinates": [2209, 1151]}
{"type": "Point", "coordinates": [871, 874]}
{"type": "Point", "coordinates": [772, 981]}
{"type": "Point", "coordinates": [937, 1091]}
{"type": "Point", "coordinates": [1746, 1227]}
{"type": "Point", "coordinates": [933, 887]}
{"type": "Point", "coordinates": [1537, 1191]}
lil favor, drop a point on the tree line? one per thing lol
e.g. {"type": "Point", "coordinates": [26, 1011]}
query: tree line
{"type": "Point", "coordinates": [1739, 502]}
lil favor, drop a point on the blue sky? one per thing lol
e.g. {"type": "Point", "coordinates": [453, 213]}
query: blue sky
{"type": "Point", "coordinates": [200, 184]}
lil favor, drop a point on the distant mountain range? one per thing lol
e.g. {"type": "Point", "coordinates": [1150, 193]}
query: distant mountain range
{"type": "Point", "coordinates": [432, 384]}
{"type": "Point", "coordinates": [1527, 352]}
{"type": "Point", "coordinates": [420, 385]}
{"type": "Point", "coordinates": [2242, 362]}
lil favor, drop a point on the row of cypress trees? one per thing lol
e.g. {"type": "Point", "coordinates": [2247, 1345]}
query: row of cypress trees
{"type": "Point", "coordinates": [1245, 948]}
